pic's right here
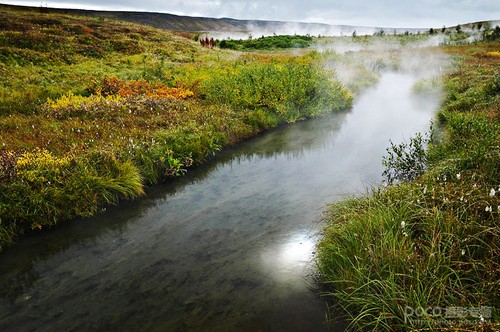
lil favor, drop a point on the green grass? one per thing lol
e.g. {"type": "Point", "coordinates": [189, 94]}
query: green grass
{"type": "Point", "coordinates": [433, 241]}
{"type": "Point", "coordinates": [290, 88]}
{"type": "Point", "coordinates": [93, 111]}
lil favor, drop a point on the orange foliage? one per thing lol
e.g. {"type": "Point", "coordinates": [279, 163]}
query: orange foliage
{"type": "Point", "coordinates": [114, 86]}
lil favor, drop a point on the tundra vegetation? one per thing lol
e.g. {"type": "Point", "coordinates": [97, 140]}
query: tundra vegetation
{"type": "Point", "coordinates": [93, 111]}
{"type": "Point", "coordinates": [423, 253]}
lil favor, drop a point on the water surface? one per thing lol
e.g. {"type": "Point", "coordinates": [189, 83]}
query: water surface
{"type": "Point", "coordinates": [228, 247]}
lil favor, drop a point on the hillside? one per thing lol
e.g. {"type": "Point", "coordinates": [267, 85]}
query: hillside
{"type": "Point", "coordinates": [199, 24]}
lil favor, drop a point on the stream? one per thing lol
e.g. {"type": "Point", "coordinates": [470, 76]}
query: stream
{"type": "Point", "coordinates": [228, 247]}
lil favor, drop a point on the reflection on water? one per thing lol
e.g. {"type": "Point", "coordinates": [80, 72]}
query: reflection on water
{"type": "Point", "coordinates": [285, 262]}
{"type": "Point", "coordinates": [228, 247]}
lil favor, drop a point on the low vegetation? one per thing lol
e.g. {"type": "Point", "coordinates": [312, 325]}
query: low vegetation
{"type": "Point", "coordinates": [423, 253]}
{"type": "Point", "coordinates": [93, 110]}
{"type": "Point", "coordinates": [267, 43]}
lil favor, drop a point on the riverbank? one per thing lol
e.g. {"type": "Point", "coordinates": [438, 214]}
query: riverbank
{"type": "Point", "coordinates": [232, 227]}
{"type": "Point", "coordinates": [424, 253]}
{"type": "Point", "coordinates": [93, 111]}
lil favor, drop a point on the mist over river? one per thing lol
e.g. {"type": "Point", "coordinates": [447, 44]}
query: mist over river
{"type": "Point", "coordinates": [228, 247]}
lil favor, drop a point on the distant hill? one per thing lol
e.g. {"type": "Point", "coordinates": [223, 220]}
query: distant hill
{"type": "Point", "coordinates": [207, 24]}
{"type": "Point", "coordinates": [223, 27]}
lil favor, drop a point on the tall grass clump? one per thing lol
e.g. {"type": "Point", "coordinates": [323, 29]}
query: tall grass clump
{"type": "Point", "coordinates": [40, 189]}
{"type": "Point", "coordinates": [424, 253]}
{"type": "Point", "coordinates": [291, 89]}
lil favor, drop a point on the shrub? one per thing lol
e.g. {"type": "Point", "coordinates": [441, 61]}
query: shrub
{"type": "Point", "coordinates": [113, 86]}
{"type": "Point", "coordinates": [267, 43]}
{"type": "Point", "coordinates": [405, 161]}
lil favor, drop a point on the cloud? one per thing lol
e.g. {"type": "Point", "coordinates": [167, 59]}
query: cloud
{"type": "Point", "coordinates": [383, 13]}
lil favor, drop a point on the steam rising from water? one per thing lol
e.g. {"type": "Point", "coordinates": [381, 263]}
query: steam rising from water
{"type": "Point", "coordinates": [358, 62]}
{"type": "Point", "coordinates": [260, 29]}
{"type": "Point", "coordinates": [265, 29]}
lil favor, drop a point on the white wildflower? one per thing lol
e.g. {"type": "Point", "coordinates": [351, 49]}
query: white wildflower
{"type": "Point", "coordinates": [458, 176]}
{"type": "Point", "coordinates": [403, 224]}
{"type": "Point", "coordinates": [488, 209]}
{"type": "Point", "coordinates": [463, 252]}
{"type": "Point", "coordinates": [492, 192]}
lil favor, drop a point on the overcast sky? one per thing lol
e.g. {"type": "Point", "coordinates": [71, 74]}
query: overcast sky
{"type": "Point", "coordinates": [382, 13]}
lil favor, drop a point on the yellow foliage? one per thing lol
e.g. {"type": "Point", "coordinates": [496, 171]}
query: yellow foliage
{"type": "Point", "coordinates": [493, 54]}
{"type": "Point", "coordinates": [77, 101]}
{"type": "Point", "coordinates": [40, 164]}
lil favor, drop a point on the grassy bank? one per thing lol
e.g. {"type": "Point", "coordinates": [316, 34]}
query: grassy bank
{"type": "Point", "coordinates": [93, 111]}
{"type": "Point", "coordinates": [424, 254]}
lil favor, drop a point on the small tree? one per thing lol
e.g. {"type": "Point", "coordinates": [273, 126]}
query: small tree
{"type": "Point", "coordinates": [431, 31]}
{"type": "Point", "coordinates": [458, 29]}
